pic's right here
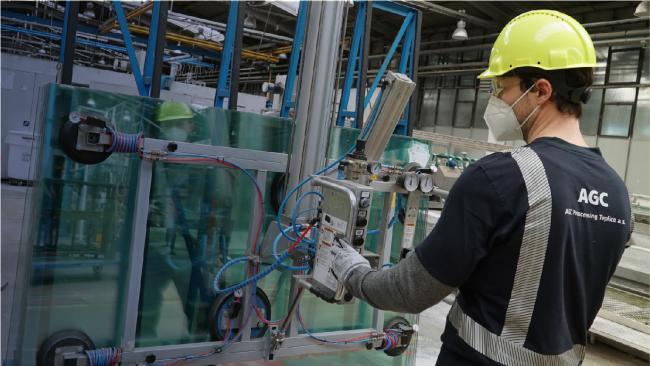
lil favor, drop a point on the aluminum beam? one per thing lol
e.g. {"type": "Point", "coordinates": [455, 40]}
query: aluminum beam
{"type": "Point", "coordinates": [245, 158]}
{"type": "Point", "coordinates": [316, 92]}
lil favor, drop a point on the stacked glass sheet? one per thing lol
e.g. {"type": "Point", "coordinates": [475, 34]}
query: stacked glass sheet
{"type": "Point", "coordinates": [199, 218]}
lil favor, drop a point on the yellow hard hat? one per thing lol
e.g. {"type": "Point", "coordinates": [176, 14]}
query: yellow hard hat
{"type": "Point", "coordinates": [545, 39]}
{"type": "Point", "coordinates": [172, 110]}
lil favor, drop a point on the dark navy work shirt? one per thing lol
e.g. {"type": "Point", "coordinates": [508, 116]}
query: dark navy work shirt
{"type": "Point", "coordinates": [475, 245]}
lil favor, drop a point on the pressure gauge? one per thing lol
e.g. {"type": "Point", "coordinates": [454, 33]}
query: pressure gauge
{"type": "Point", "coordinates": [410, 181]}
{"type": "Point", "coordinates": [374, 168]}
{"type": "Point", "coordinates": [426, 182]}
{"type": "Point", "coordinates": [74, 117]}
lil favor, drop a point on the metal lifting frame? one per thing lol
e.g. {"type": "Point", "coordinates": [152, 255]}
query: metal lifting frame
{"type": "Point", "coordinates": [407, 36]}
{"type": "Point", "coordinates": [287, 97]}
{"type": "Point", "coordinates": [147, 80]}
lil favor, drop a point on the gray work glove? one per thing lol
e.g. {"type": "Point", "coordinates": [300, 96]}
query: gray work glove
{"type": "Point", "coordinates": [346, 260]}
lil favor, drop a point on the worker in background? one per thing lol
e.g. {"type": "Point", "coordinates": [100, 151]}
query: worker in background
{"type": "Point", "coordinates": [530, 238]}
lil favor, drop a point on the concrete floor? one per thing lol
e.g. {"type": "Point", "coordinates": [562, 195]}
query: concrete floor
{"type": "Point", "coordinates": [431, 321]}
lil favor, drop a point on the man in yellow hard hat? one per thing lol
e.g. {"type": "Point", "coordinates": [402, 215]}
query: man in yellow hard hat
{"type": "Point", "coordinates": [530, 238]}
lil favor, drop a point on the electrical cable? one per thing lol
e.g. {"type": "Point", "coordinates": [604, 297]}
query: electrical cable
{"type": "Point", "coordinates": [274, 252]}
{"type": "Point", "coordinates": [257, 276]}
{"type": "Point", "coordinates": [297, 206]}
{"type": "Point", "coordinates": [360, 339]}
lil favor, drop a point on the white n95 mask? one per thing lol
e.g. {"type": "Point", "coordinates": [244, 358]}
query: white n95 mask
{"type": "Point", "coordinates": [176, 134]}
{"type": "Point", "coordinates": [502, 121]}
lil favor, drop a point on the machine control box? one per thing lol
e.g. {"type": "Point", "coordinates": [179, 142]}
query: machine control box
{"type": "Point", "coordinates": [345, 213]}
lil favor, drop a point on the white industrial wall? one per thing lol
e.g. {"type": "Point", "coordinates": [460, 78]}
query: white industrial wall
{"type": "Point", "coordinates": [23, 77]}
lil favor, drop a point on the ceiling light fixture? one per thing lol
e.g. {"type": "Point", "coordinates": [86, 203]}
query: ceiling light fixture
{"type": "Point", "coordinates": [642, 10]}
{"type": "Point", "coordinates": [460, 34]}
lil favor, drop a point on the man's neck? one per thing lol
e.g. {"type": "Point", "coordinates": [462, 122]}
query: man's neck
{"type": "Point", "coordinates": [552, 123]}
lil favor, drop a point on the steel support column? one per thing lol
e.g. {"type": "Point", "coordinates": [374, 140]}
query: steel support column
{"type": "Point", "coordinates": [128, 43]}
{"type": "Point", "coordinates": [407, 36]}
{"type": "Point", "coordinates": [66, 53]}
{"type": "Point", "coordinates": [226, 57]}
{"type": "Point", "coordinates": [292, 74]}
{"type": "Point", "coordinates": [159, 37]}
{"type": "Point", "coordinates": [236, 56]}
{"type": "Point", "coordinates": [363, 67]}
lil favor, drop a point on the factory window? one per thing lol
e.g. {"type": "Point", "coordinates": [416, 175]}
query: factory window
{"type": "Point", "coordinates": [623, 65]}
{"type": "Point", "coordinates": [464, 107]}
{"type": "Point", "coordinates": [619, 103]}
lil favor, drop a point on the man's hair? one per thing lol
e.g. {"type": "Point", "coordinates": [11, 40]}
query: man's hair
{"type": "Point", "coordinates": [570, 86]}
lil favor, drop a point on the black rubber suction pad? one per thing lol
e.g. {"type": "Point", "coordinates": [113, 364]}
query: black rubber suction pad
{"type": "Point", "coordinates": [403, 327]}
{"type": "Point", "coordinates": [64, 338]}
{"type": "Point", "coordinates": [68, 143]}
{"type": "Point", "coordinates": [227, 307]}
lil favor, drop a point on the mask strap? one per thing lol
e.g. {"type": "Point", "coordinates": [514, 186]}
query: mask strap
{"type": "Point", "coordinates": [526, 92]}
{"type": "Point", "coordinates": [527, 118]}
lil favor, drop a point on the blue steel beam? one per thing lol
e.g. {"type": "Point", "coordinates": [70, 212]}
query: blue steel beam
{"type": "Point", "coordinates": [66, 18]}
{"type": "Point", "coordinates": [406, 36]}
{"type": "Point", "coordinates": [389, 56]}
{"type": "Point", "coordinates": [147, 73]}
{"type": "Point", "coordinates": [135, 67]}
{"type": "Point", "coordinates": [287, 97]}
{"type": "Point", "coordinates": [226, 57]}
{"type": "Point", "coordinates": [66, 52]}
{"type": "Point", "coordinates": [352, 64]}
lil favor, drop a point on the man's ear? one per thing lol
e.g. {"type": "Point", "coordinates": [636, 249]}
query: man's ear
{"type": "Point", "coordinates": [544, 90]}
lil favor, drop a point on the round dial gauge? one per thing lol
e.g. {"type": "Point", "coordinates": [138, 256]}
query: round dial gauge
{"type": "Point", "coordinates": [426, 183]}
{"type": "Point", "coordinates": [74, 117]}
{"type": "Point", "coordinates": [410, 181]}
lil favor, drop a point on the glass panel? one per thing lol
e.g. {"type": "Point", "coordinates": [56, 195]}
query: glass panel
{"type": "Point", "coordinates": [198, 217]}
{"type": "Point", "coordinates": [463, 115]}
{"type": "Point", "coordinates": [446, 107]}
{"type": "Point", "coordinates": [591, 113]}
{"type": "Point", "coordinates": [620, 95]}
{"type": "Point", "coordinates": [624, 66]}
{"type": "Point", "coordinates": [400, 150]}
{"type": "Point", "coordinates": [616, 120]}
{"type": "Point", "coordinates": [80, 226]}
{"type": "Point", "coordinates": [220, 127]}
